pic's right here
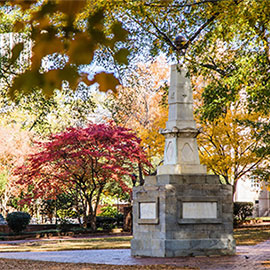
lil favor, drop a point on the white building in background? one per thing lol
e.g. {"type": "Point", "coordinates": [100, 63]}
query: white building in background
{"type": "Point", "coordinates": [252, 190]}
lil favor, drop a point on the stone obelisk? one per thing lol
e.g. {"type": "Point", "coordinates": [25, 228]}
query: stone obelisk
{"type": "Point", "coordinates": [182, 211]}
{"type": "Point", "coordinates": [181, 154]}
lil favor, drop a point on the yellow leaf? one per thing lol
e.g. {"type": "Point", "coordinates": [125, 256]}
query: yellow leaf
{"type": "Point", "coordinates": [47, 8]}
{"type": "Point", "coordinates": [96, 19]}
{"type": "Point", "coordinates": [44, 22]}
{"type": "Point", "coordinates": [51, 82]}
{"type": "Point", "coordinates": [70, 74]}
{"type": "Point", "coordinates": [24, 4]}
{"type": "Point", "coordinates": [84, 78]}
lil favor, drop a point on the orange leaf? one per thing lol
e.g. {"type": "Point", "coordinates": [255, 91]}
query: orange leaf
{"type": "Point", "coordinates": [81, 49]}
{"type": "Point", "coordinates": [71, 7]}
{"type": "Point", "coordinates": [44, 46]}
{"type": "Point", "coordinates": [18, 26]}
{"type": "Point", "coordinates": [106, 81]}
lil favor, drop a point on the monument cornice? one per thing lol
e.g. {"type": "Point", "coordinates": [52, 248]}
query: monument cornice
{"type": "Point", "coordinates": [187, 132]}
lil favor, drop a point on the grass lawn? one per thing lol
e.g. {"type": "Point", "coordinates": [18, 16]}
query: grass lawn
{"type": "Point", "coordinates": [243, 236]}
{"type": "Point", "coordinates": [251, 236]}
{"type": "Point", "coordinates": [68, 244]}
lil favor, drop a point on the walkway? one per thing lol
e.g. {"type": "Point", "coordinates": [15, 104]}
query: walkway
{"type": "Point", "coordinates": [247, 257]}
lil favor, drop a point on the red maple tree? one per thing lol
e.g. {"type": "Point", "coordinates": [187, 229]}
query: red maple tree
{"type": "Point", "coordinates": [82, 160]}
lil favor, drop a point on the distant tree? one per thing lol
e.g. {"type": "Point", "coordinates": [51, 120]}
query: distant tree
{"type": "Point", "coordinates": [43, 116]}
{"type": "Point", "coordinates": [15, 145]}
{"type": "Point", "coordinates": [82, 160]}
{"type": "Point", "coordinates": [227, 145]}
{"type": "Point", "coordinates": [141, 105]}
{"type": "Point", "coordinates": [227, 148]}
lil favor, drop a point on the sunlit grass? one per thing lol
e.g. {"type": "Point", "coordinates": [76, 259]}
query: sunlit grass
{"type": "Point", "coordinates": [71, 244]}
{"type": "Point", "coordinates": [251, 236]}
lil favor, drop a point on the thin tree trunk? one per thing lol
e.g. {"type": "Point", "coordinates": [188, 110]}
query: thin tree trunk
{"type": "Point", "coordinates": [140, 175]}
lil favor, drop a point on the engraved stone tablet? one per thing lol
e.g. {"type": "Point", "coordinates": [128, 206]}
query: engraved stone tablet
{"type": "Point", "coordinates": [199, 210]}
{"type": "Point", "coordinates": [148, 210]}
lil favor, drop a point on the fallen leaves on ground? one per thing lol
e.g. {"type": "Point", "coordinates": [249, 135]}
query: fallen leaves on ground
{"type": "Point", "coordinates": [8, 264]}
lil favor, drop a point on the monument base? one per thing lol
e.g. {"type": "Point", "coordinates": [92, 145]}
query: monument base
{"type": "Point", "coordinates": [182, 215]}
{"type": "Point", "coordinates": [181, 248]}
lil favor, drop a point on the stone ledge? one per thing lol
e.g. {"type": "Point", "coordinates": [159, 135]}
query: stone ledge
{"type": "Point", "coordinates": [187, 179]}
{"type": "Point", "coordinates": [178, 169]}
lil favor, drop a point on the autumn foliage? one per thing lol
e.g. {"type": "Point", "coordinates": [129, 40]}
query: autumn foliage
{"type": "Point", "coordinates": [142, 106]}
{"type": "Point", "coordinates": [15, 145]}
{"type": "Point", "coordinates": [83, 160]}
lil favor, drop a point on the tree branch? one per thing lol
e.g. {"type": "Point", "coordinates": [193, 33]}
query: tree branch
{"type": "Point", "coordinates": [185, 5]}
{"type": "Point", "coordinates": [165, 37]}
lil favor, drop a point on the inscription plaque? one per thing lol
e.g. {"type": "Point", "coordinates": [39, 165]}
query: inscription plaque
{"type": "Point", "coordinates": [148, 210]}
{"type": "Point", "coordinates": [199, 210]}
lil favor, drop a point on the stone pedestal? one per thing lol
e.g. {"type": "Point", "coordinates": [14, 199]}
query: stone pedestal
{"type": "Point", "coordinates": [182, 215]}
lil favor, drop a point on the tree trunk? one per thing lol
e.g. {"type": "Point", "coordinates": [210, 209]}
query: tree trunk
{"type": "Point", "coordinates": [140, 175]}
{"type": "Point", "coordinates": [127, 226]}
{"type": "Point", "coordinates": [91, 222]}
{"type": "Point", "coordinates": [235, 189]}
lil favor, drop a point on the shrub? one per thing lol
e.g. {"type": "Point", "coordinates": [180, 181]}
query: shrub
{"type": "Point", "coordinates": [18, 221]}
{"type": "Point", "coordinates": [2, 220]}
{"type": "Point", "coordinates": [109, 211]}
{"type": "Point", "coordinates": [109, 218]}
{"type": "Point", "coordinates": [106, 223]}
{"type": "Point", "coordinates": [241, 210]}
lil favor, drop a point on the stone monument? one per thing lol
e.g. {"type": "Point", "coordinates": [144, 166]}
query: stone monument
{"type": "Point", "coordinates": [182, 211]}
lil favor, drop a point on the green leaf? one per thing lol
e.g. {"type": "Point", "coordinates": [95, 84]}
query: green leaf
{"type": "Point", "coordinates": [120, 34]}
{"type": "Point", "coordinates": [122, 56]}
{"type": "Point", "coordinates": [25, 82]}
{"type": "Point", "coordinates": [16, 51]}
{"type": "Point", "coordinates": [96, 19]}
